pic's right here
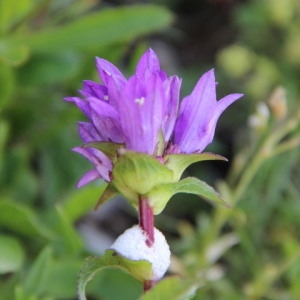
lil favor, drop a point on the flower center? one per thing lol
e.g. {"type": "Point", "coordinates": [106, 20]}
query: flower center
{"type": "Point", "coordinates": [105, 97]}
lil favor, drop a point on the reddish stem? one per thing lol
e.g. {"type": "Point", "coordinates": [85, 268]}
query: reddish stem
{"type": "Point", "coordinates": [146, 220]}
{"type": "Point", "coordinates": [148, 284]}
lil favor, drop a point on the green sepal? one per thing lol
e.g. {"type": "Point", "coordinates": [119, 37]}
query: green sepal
{"type": "Point", "coordinates": [108, 194]}
{"type": "Point", "coordinates": [159, 196]}
{"type": "Point", "coordinates": [108, 148]}
{"type": "Point", "coordinates": [140, 269]}
{"type": "Point", "coordinates": [159, 150]}
{"type": "Point", "coordinates": [136, 174]}
{"type": "Point", "coordinates": [179, 162]}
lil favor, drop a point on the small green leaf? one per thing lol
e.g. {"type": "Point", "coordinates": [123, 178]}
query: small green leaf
{"type": "Point", "coordinates": [21, 219]}
{"type": "Point", "coordinates": [159, 196]}
{"type": "Point", "coordinates": [69, 237]}
{"type": "Point", "coordinates": [141, 270]}
{"type": "Point", "coordinates": [38, 273]}
{"type": "Point", "coordinates": [108, 148]}
{"type": "Point", "coordinates": [108, 194]}
{"type": "Point", "coordinates": [79, 202]}
{"type": "Point", "coordinates": [11, 254]}
{"type": "Point", "coordinates": [179, 162]}
{"type": "Point", "coordinates": [136, 174]}
{"type": "Point", "coordinates": [172, 288]}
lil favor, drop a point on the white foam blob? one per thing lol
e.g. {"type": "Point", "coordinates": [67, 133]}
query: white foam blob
{"type": "Point", "coordinates": [131, 244]}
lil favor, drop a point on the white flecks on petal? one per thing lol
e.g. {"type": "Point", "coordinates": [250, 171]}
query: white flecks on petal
{"type": "Point", "coordinates": [132, 245]}
{"type": "Point", "coordinates": [105, 97]}
{"type": "Point", "coordinates": [140, 101]}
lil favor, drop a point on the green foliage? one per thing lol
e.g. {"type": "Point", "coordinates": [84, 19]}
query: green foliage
{"type": "Point", "coordinates": [44, 46]}
{"type": "Point", "coordinates": [141, 270]}
{"type": "Point", "coordinates": [172, 288]}
{"type": "Point", "coordinates": [11, 255]}
{"type": "Point", "coordinates": [248, 252]}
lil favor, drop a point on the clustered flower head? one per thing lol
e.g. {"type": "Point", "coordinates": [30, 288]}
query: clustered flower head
{"type": "Point", "coordinates": [139, 140]}
{"type": "Point", "coordinates": [142, 114]}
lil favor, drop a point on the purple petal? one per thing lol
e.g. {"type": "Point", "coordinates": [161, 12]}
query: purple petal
{"type": "Point", "coordinates": [106, 121]}
{"type": "Point", "coordinates": [106, 68]}
{"type": "Point", "coordinates": [114, 88]}
{"type": "Point", "coordinates": [148, 61]}
{"type": "Point", "coordinates": [172, 90]}
{"type": "Point", "coordinates": [98, 159]}
{"type": "Point", "coordinates": [88, 133]}
{"type": "Point", "coordinates": [199, 113]}
{"type": "Point", "coordinates": [93, 89]}
{"type": "Point", "coordinates": [81, 104]}
{"type": "Point", "coordinates": [142, 112]}
{"type": "Point", "coordinates": [88, 177]}
{"type": "Point", "coordinates": [225, 102]}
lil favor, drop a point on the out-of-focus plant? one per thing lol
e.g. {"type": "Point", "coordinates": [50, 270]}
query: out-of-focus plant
{"type": "Point", "coordinates": [249, 252]}
{"type": "Point", "coordinates": [275, 133]}
{"type": "Point", "coordinates": [43, 47]}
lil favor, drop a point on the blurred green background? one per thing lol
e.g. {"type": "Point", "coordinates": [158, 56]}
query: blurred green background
{"type": "Point", "coordinates": [48, 47]}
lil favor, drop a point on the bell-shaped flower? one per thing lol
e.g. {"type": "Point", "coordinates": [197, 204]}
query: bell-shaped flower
{"type": "Point", "coordinates": [138, 113]}
{"type": "Point", "coordinates": [198, 116]}
{"type": "Point", "coordinates": [138, 141]}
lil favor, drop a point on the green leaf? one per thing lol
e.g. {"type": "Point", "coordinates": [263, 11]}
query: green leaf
{"type": "Point", "coordinates": [69, 238]}
{"type": "Point", "coordinates": [38, 273]}
{"type": "Point", "coordinates": [7, 83]}
{"type": "Point", "coordinates": [46, 68]}
{"type": "Point", "coordinates": [141, 270]}
{"type": "Point", "coordinates": [108, 148]}
{"type": "Point", "coordinates": [159, 196]}
{"type": "Point", "coordinates": [103, 286]}
{"type": "Point", "coordinates": [11, 254]}
{"type": "Point", "coordinates": [172, 288]}
{"type": "Point", "coordinates": [12, 11]}
{"type": "Point", "coordinates": [101, 28]}
{"type": "Point", "coordinates": [179, 162]}
{"type": "Point", "coordinates": [136, 174]}
{"type": "Point", "coordinates": [21, 219]}
{"type": "Point", "coordinates": [79, 202]}
{"type": "Point", "coordinates": [62, 279]}
{"type": "Point", "coordinates": [13, 54]}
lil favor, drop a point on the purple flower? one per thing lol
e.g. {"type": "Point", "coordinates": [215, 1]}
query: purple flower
{"type": "Point", "coordinates": [141, 113]}
{"type": "Point", "coordinates": [131, 112]}
{"type": "Point", "coordinates": [198, 116]}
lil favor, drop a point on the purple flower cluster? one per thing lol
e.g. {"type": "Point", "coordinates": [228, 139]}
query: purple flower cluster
{"type": "Point", "coordinates": [142, 113]}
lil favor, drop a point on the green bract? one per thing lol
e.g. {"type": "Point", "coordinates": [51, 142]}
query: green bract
{"type": "Point", "coordinates": [136, 175]}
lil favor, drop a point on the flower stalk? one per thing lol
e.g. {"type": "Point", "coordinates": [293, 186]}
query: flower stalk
{"type": "Point", "coordinates": [146, 220]}
{"type": "Point", "coordinates": [148, 284]}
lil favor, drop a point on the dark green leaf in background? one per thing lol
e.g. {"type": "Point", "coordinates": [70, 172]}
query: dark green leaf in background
{"type": "Point", "coordinates": [101, 28]}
